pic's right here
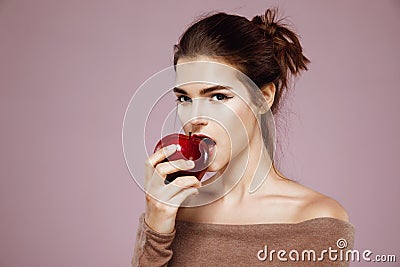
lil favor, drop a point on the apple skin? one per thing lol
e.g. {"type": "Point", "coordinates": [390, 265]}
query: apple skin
{"type": "Point", "coordinates": [189, 147]}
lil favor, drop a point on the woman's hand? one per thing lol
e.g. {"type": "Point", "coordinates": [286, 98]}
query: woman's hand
{"type": "Point", "coordinates": [163, 201]}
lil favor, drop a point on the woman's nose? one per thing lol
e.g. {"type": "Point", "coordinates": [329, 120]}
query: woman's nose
{"type": "Point", "coordinates": [196, 116]}
{"type": "Point", "coordinates": [198, 121]}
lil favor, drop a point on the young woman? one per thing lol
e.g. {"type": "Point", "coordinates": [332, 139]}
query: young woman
{"type": "Point", "coordinates": [282, 221]}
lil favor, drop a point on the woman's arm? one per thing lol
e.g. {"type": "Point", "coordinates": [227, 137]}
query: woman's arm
{"type": "Point", "coordinates": [156, 229]}
{"type": "Point", "coordinates": [151, 248]}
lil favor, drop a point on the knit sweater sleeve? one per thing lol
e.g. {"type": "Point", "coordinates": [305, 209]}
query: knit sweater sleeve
{"type": "Point", "coordinates": [151, 248]}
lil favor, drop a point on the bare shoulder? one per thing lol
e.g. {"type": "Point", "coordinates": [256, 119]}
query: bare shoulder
{"type": "Point", "coordinates": [316, 205]}
{"type": "Point", "coordinates": [324, 206]}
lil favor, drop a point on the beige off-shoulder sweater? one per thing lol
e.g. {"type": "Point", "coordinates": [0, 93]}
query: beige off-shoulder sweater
{"type": "Point", "coordinates": [315, 242]}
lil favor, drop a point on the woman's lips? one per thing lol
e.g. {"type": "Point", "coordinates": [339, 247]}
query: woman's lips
{"type": "Point", "coordinates": [209, 141]}
{"type": "Point", "coordinates": [202, 136]}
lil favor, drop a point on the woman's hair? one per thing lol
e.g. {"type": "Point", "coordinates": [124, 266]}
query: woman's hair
{"type": "Point", "coordinates": [264, 49]}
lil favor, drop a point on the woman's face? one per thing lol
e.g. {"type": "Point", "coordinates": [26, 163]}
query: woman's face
{"type": "Point", "coordinates": [212, 101]}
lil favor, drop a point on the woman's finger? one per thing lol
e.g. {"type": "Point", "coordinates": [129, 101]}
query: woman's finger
{"type": "Point", "coordinates": [186, 181]}
{"type": "Point", "coordinates": [161, 154]}
{"type": "Point", "coordinates": [179, 198]}
{"type": "Point", "coordinates": [165, 168]}
{"type": "Point", "coordinates": [177, 186]}
{"type": "Point", "coordinates": [158, 156]}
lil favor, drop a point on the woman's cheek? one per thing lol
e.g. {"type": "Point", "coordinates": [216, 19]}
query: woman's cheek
{"type": "Point", "coordinates": [238, 134]}
{"type": "Point", "coordinates": [222, 158]}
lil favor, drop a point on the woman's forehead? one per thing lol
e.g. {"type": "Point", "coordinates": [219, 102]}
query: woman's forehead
{"type": "Point", "coordinates": [199, 75]}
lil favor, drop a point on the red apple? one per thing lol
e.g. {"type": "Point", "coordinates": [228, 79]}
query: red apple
{"type": "Point", "coordinates": [189, 147]}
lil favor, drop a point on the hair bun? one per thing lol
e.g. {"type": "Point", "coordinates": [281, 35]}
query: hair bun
{"type": "Point", "coordinates": [285, 42]}
{"type": "Point", "coordinates": [264, 48]}
{"type": "Point", "coordinates": [267, 22]}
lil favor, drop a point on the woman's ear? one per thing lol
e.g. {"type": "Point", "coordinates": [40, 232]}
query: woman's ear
{"type": "Point", "coordinates": [268, 92]}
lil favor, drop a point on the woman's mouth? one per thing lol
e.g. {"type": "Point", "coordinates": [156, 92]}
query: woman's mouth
{"type": "Point", "coordinates": [209, 141]}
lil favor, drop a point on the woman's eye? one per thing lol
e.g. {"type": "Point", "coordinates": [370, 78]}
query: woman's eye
{"type": "Point", "coordinates": [220, 97]}
{"type": "Point", "coordinates": [182, 99]}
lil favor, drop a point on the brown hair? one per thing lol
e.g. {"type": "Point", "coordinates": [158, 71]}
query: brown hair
{"type": "Point", "coordinates": [264, 49]}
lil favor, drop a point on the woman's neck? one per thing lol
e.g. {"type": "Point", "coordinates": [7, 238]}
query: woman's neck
{"type": "Point", "coordinates": [249, 170]}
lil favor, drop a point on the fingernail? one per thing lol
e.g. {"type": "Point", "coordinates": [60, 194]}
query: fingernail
{"type": "Point", "coordinates": [190, 163]}
{"type": "Point", "coordinates": [171, 147]}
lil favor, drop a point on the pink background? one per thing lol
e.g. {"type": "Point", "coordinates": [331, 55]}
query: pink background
{"type": "Point", "coordinates": [69, 68]}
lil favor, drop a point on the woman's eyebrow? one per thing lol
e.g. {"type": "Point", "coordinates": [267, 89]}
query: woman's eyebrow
{"type": "Point", "coordinates": [203, 91]}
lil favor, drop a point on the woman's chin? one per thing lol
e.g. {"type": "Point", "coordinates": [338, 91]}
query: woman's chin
{"type": "Point", "coordinates": [216, 167]}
